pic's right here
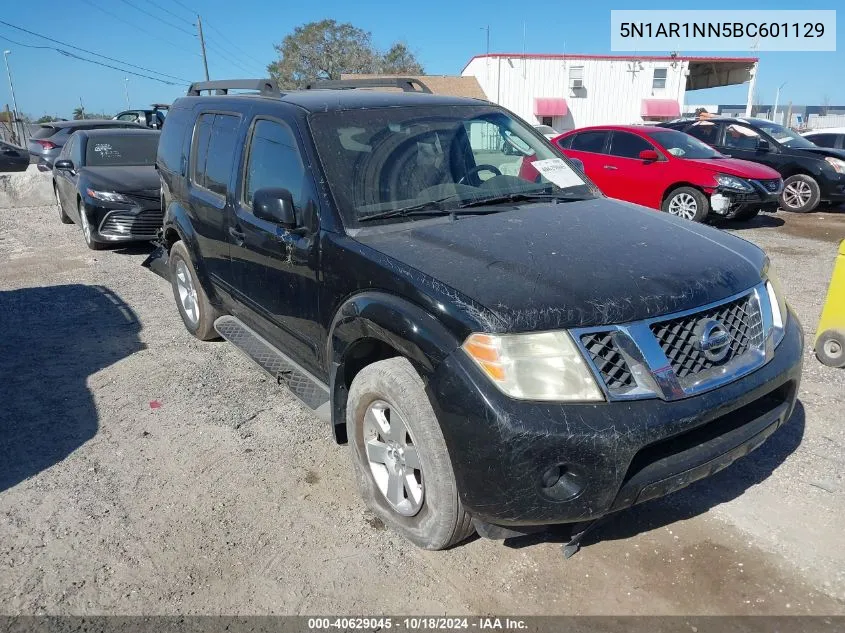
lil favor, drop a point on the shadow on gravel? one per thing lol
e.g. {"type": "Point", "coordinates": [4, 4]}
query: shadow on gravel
{"type": "Point", "coordinates": [136, 248]}
{"type": "Point", "coordinates": [689, 502]}
{"type": "Point", "coordinates": [53, 339]}
{"type": "Point", "coordinates": [762, 221]}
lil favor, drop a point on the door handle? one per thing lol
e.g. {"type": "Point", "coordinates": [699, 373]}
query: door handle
{"type": "Point", "coordinates": [610, 167]}
{"type": "Point", "coordinates": [237, 235]}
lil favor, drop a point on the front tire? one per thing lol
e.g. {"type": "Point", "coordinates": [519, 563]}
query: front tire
{"type": "Point", "coordinates": [196, 310]}
{"type": "Point", "coordinates": [400, 458]}
{"type": "Point", "coordinates": [801, 194]}
{"type": "Point", "coordinates": [65, 219]}
{"type": "Point", "coordinates": [687, 203]}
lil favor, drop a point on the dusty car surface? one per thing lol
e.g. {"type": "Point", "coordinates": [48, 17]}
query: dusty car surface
{"type": "Point", "coordinates": [499, 353]}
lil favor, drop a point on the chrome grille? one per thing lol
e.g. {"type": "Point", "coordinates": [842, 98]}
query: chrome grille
{"type": "Point", "coordinates": [608, 361]}
{"type": "Point", "coordinates": [677, 337]}
{"type": "Point", "coordinates": [125, 224]}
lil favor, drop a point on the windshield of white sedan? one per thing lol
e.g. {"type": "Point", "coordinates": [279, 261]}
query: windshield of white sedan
{"type": "Point", "coordinates": [386, 163]}
{"type": "Point", "coordinates": [121, 150]}
{"type": "Point", "coordinates": [683, 145]}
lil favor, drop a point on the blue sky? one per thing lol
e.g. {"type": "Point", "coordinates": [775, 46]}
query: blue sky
{"type": "Point", "coordinates": [444, 35]}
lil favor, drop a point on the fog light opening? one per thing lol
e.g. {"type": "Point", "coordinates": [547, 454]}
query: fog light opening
{"type": "Point", "coordinates": [561, 483]}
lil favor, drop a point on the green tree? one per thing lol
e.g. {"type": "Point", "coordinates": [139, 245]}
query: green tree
{"type": "Point", "coordinates": [328, 49]}
{"type": "Point", "coordinates": [78, 113]}
{"type": "Point", "coordinates": [46, 119]}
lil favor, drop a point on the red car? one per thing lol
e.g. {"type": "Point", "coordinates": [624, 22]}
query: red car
{"type": "Point", "coordinates": [673, 171]}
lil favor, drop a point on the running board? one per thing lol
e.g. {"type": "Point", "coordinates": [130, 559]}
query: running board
{"type": "Point", "coordinates": [310, 390]}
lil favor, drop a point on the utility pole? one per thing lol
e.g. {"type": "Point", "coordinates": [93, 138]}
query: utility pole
{"type": "Point", "coordinates": [777, 98]}
{"type": "Point", "coordinates": [15, 130]}
{"type": "Point", "coordinates": [202, 45]}
{"type": "Point", "coordinates": [82, 107]}
{"type": "Point", "coordinates": [126, 88]}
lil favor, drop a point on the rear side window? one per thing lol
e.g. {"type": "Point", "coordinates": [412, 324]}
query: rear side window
{"type": "Point", "coordinates": [199, 148]}
{"type": "Point", "coordinates": [704, 132]}
{"type": "Point", "coordinates": [221, 153]}
{"type": "Point", "coordinates": [589, 142]}
{"type": "Point", "coordinates": [823, 140]}
{"type": "Point", "coordinates": [273, 161]}
{"type": "Point", "coordinates": [627, 145]}
{"type": "Point", "coordinates": [170, 147]}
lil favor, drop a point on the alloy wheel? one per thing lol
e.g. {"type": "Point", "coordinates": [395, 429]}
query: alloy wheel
{"type": "Point", "coordinates": [684, 206]}
{"type": "Point", "coordinates": [393, 458]}
{"type": "Point", "coordinates": [187, 292]}
{"type": "Point", "coordinates": [797, 194]}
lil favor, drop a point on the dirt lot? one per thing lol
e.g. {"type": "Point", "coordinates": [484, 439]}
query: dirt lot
{"type": "Point", "coordinates": [144, 472]}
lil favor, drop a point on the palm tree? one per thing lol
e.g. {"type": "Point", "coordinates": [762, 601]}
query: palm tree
{"type": "Point", "coordinates": [78, 113]}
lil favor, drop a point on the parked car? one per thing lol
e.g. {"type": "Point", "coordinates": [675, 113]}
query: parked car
{"type": "Point", "coordinates": [13, 158]}
{"type": "Point", "coordinates": [498, 352]}
{"type": "Point", "coordinates": [153, 118]}
{"type": "Point", "coordinates": [105, 180]}
{"type": "Point", "coordinates": [547, 130]}
{"type": "Point", "coordinates": [672, 171]}
{"type": "Point", "coordinates": [830, 137]}
{"type": "Point", "coordinates": [811, 174]}
{"type": "Point", "coordinates": [47, 141]}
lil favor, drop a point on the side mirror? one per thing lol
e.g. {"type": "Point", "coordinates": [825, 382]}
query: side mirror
{"type": "Point", "coordinates": [64, 164]}
{"type": "Point", "coordinates": [763, 145]}
{"type": "Point", "coordinates": [648, 155]}
{"type": "Point", "coordinates": [578, 164]}
{"type": "Point", "coordinates": [274, 205]}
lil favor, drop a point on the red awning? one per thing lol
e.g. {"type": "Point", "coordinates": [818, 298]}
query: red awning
{"type": "Point", "coordinates": [549, 106]}
{"type": "Point", "coordinates": [660, 109]}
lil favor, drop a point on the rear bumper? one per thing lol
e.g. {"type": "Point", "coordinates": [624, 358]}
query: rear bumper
{"type": "Point", "coordinates": [613, 454]}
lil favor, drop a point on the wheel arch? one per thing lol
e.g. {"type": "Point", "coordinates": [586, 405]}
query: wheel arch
{"type": "Point", "coordinates": [678, 185]}
{"type": "Point", "coordinates": [372, 326]}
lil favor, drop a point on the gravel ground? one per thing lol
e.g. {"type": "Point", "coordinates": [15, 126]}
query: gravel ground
{"type": "Point", "coordinates": [145, 472]}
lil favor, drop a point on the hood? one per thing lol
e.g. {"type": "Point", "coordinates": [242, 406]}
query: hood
{"type": "Point", "coordinates": [736, 167]}
{"type": "Point", "coordinates": [139, 180]}
{"type": "Point", "coordinates": [822, 151]}
{"type": "Point", "coordinates": [586, 263]}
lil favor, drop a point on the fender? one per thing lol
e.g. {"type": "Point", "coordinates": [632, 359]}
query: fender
{"type": "Point", "coordinates": [407, 328]}
{"type": "Point", "coordinates": [176, 218]}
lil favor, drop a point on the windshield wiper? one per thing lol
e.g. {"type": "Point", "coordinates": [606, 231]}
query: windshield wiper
{"type": "Point", "coordinates": [520, 197]}
{"type": "Point", "coordinates": [429, 207]}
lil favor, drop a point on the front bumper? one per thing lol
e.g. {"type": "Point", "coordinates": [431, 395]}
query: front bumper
{"type": "Point", "coordinates": [832, 187]}
{"type": "Point", "coordinates": [116, 223]}
{"type": "Point", "coordinates": [761, 198]}
{"type": "Point", "coordinates": [617, 453]}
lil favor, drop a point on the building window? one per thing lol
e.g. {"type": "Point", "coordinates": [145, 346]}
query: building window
{"type": "Point", "coordinates": [576, 78]}
{"type": "Point", "coordinates": [546, 120]}
{"type": "Point", "coordinates": [659, 81]}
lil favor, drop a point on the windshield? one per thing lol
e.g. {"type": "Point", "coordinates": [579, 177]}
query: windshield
{"type": "Point", "coordinates": [115, 150]}
{"type": "Point", "coordinates": [385, 160]}
{"type": "Point", "coordinates": [783, 135]}
{"type": "Point", "coordinates": [683, 145]}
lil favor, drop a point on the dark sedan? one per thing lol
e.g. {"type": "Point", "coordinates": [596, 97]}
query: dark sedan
{"type": "Point", "coordinates": [13, 158]}
{"type": "Point", "coordinates": [105, 180]}
{"type": "Point", "coordinates": [47, 141]}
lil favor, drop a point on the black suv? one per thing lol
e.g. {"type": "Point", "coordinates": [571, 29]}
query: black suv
{"type": "Point", "coordinates": [499, 353]}
{"type": "Point", "coordinates": [811, 173]}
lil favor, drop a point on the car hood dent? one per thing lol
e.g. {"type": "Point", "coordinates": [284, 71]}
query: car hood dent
{"type": "Point", "coordinates": [577, 264]}
{"type": "Point", "coordinates": [142, 180]}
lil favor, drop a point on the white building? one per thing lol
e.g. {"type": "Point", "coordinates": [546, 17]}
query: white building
{"type": "Point", "coordinates": [569, 91]}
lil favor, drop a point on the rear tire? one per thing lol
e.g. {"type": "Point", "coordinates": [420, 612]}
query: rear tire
{"type": "Point", "coordinates": [687, 203]}
{"type": "Point", "coordinates": [196, 310]}
{"type": "Point", "coordinates": [801, 194]}
{"type": "Point", "coordinates": [830, 348]}
{"type": "Point", "coordinates": [65, 219]}
{"type": "Point", "coordinates": [390, 418]}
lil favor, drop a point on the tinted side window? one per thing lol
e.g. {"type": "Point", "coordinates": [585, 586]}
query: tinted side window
{"type": "Point", "coordinates": [221, 153]}
{"type": "Point", "coordinates": [274, 161]}
{"type": "Point", "coordinates": [628, 145]}
{"type": "Point", "coordinates": [589, 141]}
{"type": "Point", "coordinates": [741, 137]}
{"type": "Point", "coordinates": [172, 139]}
{"type": "Point", "coordinates": [77, 151]}
{"type": "Point", "coordinates": [199, 148]}
{"type": "Point", "coordinates": [704, 132]}
{"type": "Point", "coordinates": [823, 140]}
{"type": "Point", "coordinates": [565, 143]}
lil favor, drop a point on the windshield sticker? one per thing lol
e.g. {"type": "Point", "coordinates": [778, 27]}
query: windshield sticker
{"type": "Point", "coordinates": [557, 171]}
{"type": "Point", "coordinates": [676, 151]}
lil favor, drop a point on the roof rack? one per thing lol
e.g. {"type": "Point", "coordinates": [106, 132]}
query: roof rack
{"type": "Point", "coordinates": [406, 84]}
{"type": "Point", "coordinates": [266, 87]}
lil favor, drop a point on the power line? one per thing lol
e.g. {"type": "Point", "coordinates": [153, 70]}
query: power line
{"type": "Point", "coordinates": [188, 9]}
{"type": "Point", "coordinates": [135, 26]}
{"type": "Point", "coordinates": [158, 19]}
{"type": "Point", "coordinates": [168, 11]}
{"type": "Point", "coordinates": [90, 61]}
{"type": "Point", "coordinates": [84, 50]}
{"type": "Point", "coordinates": [232, 44]}
{"type": "Point", "coordinates": [227, 55]}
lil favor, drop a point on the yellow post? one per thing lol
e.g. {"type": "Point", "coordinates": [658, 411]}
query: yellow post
{"type": "Point", "coordinates": [830, 335]}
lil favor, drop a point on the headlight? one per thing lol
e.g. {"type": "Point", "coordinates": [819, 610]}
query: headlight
{"type": "Point", "coordinates": [109, 196]}
{"type": "Point", "coordinates": [732, 182]}
{"type": "Point", "coordinates": [837, 164]}
{"type": "Point", "coordinates": [541, 366]}
{"type": "Point", "coordinates": [778, 303]}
